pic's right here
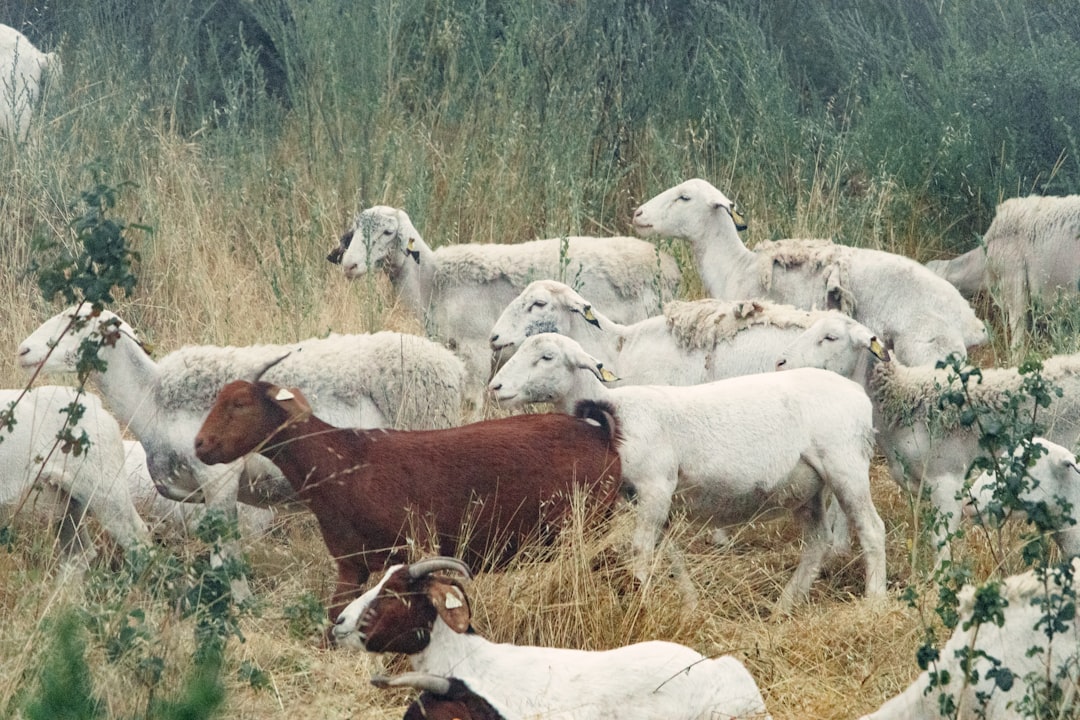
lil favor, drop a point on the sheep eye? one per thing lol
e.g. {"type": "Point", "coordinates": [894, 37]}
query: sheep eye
{"type": "Point", "coordinates": [538, 304]}
{"type": "Point", "coordinates": [548, 357]}
{"type": "Point", "coordinates": [684, 198]}
{"type": "Point", "coordinates": [830, 338]}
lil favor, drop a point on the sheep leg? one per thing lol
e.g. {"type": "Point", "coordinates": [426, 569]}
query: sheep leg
{"type": "Point", "coordinates": [858, 508]}
{"type": "Point", "coordinates": [220, 488]}
{"type": "Point", "coordinates": [811, 517]}
{"type": "Point", "coordinates": [653, 505]}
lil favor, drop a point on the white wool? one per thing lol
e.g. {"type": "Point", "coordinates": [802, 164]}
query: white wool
{"type": "Point", "coordinates": [920, 315]}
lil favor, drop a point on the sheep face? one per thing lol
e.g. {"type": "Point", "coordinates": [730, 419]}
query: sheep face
{"type": "Point", "coordinates": [545, 306]}
{"type": "Point", "coordinates": [398, 614]}
{"type": "Point", "coordinates": [55, 345]}
{"type": "Point", "coordinates": [835, 343]}
{"type": "Point", "coordinates": [544, 369]}
{"type": "Point", "coordinates": [687, 210]}
{"type": "Point", "coordinates": [244, 416]}
{"type": "Point", "coordinates": [382, 238]}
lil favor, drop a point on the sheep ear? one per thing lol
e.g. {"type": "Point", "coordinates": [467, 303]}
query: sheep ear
{"type": "Point", "coordinates": [411, 251]}
{"type": "Point", "coordinates": [878, 349]}
{"type": "Point", "coordinates": [586, 312]}
{"type": "Point", "coordinates": [407, 230]}
{"type": "Point", "coordinates": [604, 374]}
{"type": "Point", "coordinates": [451, 604]}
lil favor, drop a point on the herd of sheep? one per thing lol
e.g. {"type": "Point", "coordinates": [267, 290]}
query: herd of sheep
{"type": "Point", "coordinates": [772, 395]}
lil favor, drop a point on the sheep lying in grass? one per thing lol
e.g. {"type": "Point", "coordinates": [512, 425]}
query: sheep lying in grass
{"type": "Point", "coordinates": [926, 448]}
{"type": "Point", "coordinates": [1053, 480]}
{"type": "Point", "coordinates": [21, 68]}
{"type": "Point", "coordinates": [1003, 662]}
{"type": "Point", "coordinates": [1029, 259]}
{"type": "Point", "coordinates": [426, 615]}
{"type": "Point", "coordinates": [919, 315]}
{"type": "Point", "coordinates": [731, 449]}
{"type": "Point", "coordinates": [374, 380]}
{"type": "Point", "coordinates": [691, 343]}
{"type": "Point", "coordinates": [482, 489]}
{"type": "Point", "coordinates": [458, 291]}
{"type": "Point", "coordinates": [75, 482]}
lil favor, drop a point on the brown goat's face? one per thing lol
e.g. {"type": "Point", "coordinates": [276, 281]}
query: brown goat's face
{"type": "Point", "coordinates": [242, 417]}
{"type": "Point", "coordinates": [399, 617]}
{"type": "Point", "coordinates": [398, 614]}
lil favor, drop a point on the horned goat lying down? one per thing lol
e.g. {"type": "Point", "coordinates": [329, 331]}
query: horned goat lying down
{"type": "Point", "coordinates": [1037, 657]}
{"type": "Point", "coordinates": [421, 611]}
{"type": "Point", "coordinates": [69, 483]}
{"type": "Point", "coordinates": [1053, 480]}
{"type": "Point", "coordinates": [926, 448]}
{"type": "Point", "coordinates": [356, 380]}
{"type": "Point", "coordinates": [691, 343]}
{"type": "Point", "coordinates": [458, 291]}
{"type": "Point", "coordinates": [731, 449]}
{"type": "Point", "coordinates": [22, 67]}
{"type": "Point", "coordinates": [1029, 257]}
{"type": "Point", "coordinates": [919, 315]}
{"type": "Point", "coordinates": [496, 483]}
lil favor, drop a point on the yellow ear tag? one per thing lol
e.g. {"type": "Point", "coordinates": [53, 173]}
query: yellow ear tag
{"type": "Point", "coordinates": [606, 375]}
{"type": "Point", "coordinates": [284, 394]}
{"type": "Point", "coordinates": [588, 314]}
{"type": "Point", "coordinates": [737, 217]}
{"type": "Point", "coordinates": [877, 348]}
{"type": "Point", "coordinates": [410, 246]}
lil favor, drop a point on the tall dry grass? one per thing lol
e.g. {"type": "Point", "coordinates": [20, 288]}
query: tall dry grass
{"type": "Point", "coordinates": [504, 134]}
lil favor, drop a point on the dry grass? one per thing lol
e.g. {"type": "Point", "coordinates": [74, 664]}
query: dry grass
{"type": "Point", "coordinates": [241, 261]}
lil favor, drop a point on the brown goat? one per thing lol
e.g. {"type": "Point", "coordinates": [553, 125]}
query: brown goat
{"type": "Point", "coordinates": [481, 489]}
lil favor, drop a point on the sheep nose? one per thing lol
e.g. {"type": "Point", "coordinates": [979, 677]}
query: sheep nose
{"type": "Point", "coordinates": [350, 269]}
{"type": "Point", "coordinates": [494, 387]}
{"type": "Point", "coordinates": [781, 363]}
{"type": "Point", "coordinates": [494, 338]}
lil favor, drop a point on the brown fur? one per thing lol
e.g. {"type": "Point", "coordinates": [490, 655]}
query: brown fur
{"type": "Point", "coordinates": [480, 489]}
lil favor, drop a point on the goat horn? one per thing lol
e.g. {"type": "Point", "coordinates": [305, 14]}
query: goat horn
{"type": "Point", "coordinates": [426, 567]}
{"type": "Point", "coordinates": [419, 680]}
{"type": "Point", "coordinates": [258, 375]}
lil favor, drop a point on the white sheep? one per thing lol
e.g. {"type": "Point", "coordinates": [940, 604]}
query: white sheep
{"type": "Point", "coordinates": [377, 380]}
{"type": "Point", "coordinates": [691, 343]}
{"type": "Point", "coordinates": [71, 483]}
{"type": "Point", "coordinates": [731, 449]}
{"type": "Point", "coordinates": [458, 291]}
{"type": "Point", "coordinates": [967, 272]}
{"type": "Point", "coordinates": [1053, 478]}
{"type": "Point", "coordinates": [21, 68]}
{"type": "Point", "coordinates": [170, 517]}
{"type": "Point", "coordinates": [1029, 259]}
{"type": "Point", "coordinates": [426, 615]}
{"type": "Point", "coordinates": [1029, 661]}
{"type": "Point", "coordinates": [919, 315]}
{"type": "Point", "coordinates": [927, 449]}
